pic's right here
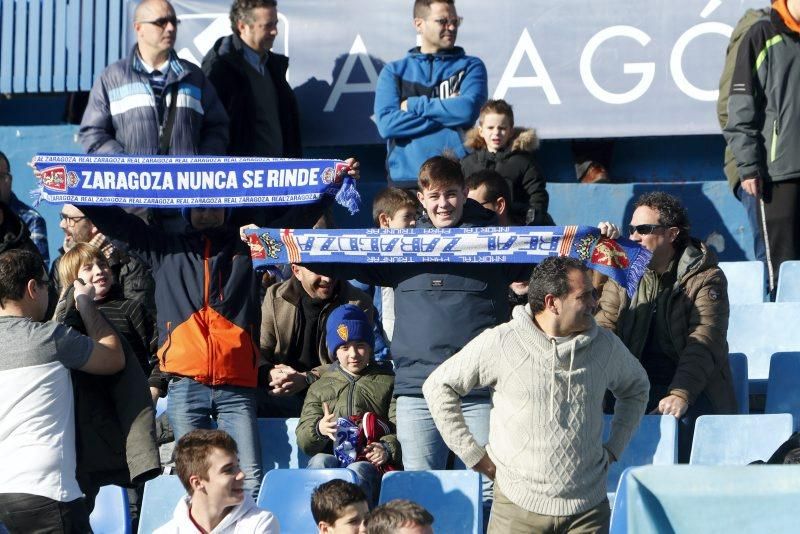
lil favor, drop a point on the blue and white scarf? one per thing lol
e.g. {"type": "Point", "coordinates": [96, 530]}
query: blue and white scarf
{"type": "Point", "coordinates": [176, 181]}
{"type": "Point", "coordinates": [621, 259]}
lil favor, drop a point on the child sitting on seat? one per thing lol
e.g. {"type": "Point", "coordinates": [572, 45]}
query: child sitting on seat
{"type": "Point", "coordinates": [348, 415]}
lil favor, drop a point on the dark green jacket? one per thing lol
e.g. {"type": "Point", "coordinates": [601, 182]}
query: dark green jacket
{"type": "Point", "coordinates": [348, 395]}
{"type": "Point", "coordinates": [748, 19]}
{"type": "Point", "coordinates": [763, 117]}
{"type": "Point", "coordinates": [698, 313]}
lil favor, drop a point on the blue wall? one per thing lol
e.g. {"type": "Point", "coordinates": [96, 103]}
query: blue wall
{"type": "Point", "coordinates": [689, 167]}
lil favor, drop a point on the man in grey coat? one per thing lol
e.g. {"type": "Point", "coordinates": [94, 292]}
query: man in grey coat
{"type": "Point", "coordinates": [130, 102]}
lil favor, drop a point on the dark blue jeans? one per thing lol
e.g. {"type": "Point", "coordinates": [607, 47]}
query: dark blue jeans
{"type": "Point", "coordinates": [193, 405]}
{"type": "Point", "coordinates": [24, 513]}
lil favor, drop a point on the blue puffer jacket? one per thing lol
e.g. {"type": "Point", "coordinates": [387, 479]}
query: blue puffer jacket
{"type": "Point", "coordinates": [439, 307]}
{"type": "Point", "coordinates": [444, 93]}
{"type": "Point", "coordinates": [121, 115]}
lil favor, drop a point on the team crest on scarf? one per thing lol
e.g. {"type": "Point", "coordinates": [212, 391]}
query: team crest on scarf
{"type": "Point", "coordinates": [342, 331]}
{"type": "Point", "coordinates": [608, 252]}
{"type": "Point", "coordinates": [271, 247]}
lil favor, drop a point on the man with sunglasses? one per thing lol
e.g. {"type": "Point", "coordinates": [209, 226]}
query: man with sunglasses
{"type": "Point", "coordinates": [132, 101]}
{"type": "Point", "coordinates": [425, 101]}
{"type": "Point", "coordinates": [677, 321]}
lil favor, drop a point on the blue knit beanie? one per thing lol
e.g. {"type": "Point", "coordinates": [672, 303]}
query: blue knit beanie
{"type": "Point", "coordinates": [345, 324]}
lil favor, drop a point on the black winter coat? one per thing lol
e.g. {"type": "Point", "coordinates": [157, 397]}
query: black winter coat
{"type": "Point", "coordinates": [519, 168]}
{"type": "Point", "coordinates": [224, 66]}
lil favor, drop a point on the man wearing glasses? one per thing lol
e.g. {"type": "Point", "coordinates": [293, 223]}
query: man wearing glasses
{"type": "Point", "coordinates": [29, 216]}
{"type": "Point", "coordinates": [677, 321]}
{"type": "Point", "coordinates": [425, 101]}
{"type": "Point", "coordinates": [132, 275]}
{"type": "Point", "coordinates": [153, 102]}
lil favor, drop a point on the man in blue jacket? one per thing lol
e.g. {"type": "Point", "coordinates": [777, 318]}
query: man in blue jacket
{"type": "Point", "coordinates": [425, 101]}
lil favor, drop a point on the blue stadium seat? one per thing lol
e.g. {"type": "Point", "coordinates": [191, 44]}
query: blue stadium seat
{"type": "Point", "coordinates": [746, 282]}
{"type": "Point", "coordinates": [738, 439]}
{"type": "Point", "coordinates": [3, 529]}
{"type": "Point", "coordinates": [704, 499]}
{"type": "Point", "coordinates": [111, 514]}
{"type": "Point", "coordinates": [619, 513]}
{"type": "Point", "coordinates": [279, 448]}
{"type": "Point", "coordinates": [287, 494]}
{"type": "Point", "coordinates": [788, 282]}
{"type": "Point", "coordinates": [759, 330]}
{"type": "Point", "coordinates": [161, 495]}
{"type": "Point", "coordinates": [741, 386]}
{"type": "Point", "coordinates": [655, 442]}
{"type": "Point", "coordinates": [783, 387]}
{"type": "Point", "coordinates": [452, 497]}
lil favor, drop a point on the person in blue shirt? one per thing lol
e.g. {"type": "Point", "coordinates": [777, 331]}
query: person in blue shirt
{"type": "Point", "coordinates": [33, 221]}
{"type": "Point", "coordinates": [425, 101]}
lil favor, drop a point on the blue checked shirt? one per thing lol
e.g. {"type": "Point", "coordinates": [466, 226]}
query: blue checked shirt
{"type": "Point", "coordinates": [35, 224]}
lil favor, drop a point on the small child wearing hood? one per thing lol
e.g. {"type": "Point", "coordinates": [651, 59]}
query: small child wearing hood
{"type": "Point", "coordinates": [348, 417]}
{"type": "Point", "coordinates": [499, 146]}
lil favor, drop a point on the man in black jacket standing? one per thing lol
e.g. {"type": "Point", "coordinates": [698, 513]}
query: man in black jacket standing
{"type": "Point", "coordinates": [251, 82]}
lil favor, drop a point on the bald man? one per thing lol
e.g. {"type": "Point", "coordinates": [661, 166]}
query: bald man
{"type": "Point", "coordinates": [153, 102]}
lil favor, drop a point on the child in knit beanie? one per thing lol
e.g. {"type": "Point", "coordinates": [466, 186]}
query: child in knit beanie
{"type": "Point", "coordinates": [349, 413]}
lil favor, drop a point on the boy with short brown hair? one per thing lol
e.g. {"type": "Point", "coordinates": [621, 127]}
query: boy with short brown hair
{"type": "Point", "coordinates": [440, 307]}
{"type": "Point", "coordinates": [394, 208]}
{"type": "Point", "coordinates": [208, 467]}
{"type": "Point", "coordinates": [339, 507]}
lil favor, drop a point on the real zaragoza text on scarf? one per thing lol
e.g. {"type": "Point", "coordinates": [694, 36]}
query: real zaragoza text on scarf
{"type": "Point", "coordinates": [621, 259]}
{"type": "Point", "coordinates": [159, 181]}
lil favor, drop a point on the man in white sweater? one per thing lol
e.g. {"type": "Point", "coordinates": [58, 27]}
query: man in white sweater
{"type": "Point", "coordinates": [549, 368]}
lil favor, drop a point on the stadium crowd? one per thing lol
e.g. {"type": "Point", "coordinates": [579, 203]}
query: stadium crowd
{"type": "Point", "coordinates": [504, 369]}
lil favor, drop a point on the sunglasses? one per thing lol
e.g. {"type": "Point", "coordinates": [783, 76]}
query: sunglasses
{"type": "Point", "coordinates": [162, 22]}
{"type": "Point", "coordinates": [644, 229]}
{"type": "Point", "coordinates": [445, 23]}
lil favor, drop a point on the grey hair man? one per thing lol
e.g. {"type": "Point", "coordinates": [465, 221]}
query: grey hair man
{"type": "Point", "coordinates": [251, 82]}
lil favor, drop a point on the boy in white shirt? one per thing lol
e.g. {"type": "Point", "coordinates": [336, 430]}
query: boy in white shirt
{"type": "Point", "coordinates": [208, 467]}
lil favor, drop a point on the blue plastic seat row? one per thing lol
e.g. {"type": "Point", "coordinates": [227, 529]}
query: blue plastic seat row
{"type": "Point", "coordinates": [747, 282]}
{"type": "Point", "coordinates": [453, 497]}
{"type": "Point", "coordinates": [689, 499]}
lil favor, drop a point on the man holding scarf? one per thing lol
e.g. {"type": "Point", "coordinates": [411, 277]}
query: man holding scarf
{"type": "Point", "coordinates": [208, 316]}
{"type": "Point", "coordinates": [676, 322]}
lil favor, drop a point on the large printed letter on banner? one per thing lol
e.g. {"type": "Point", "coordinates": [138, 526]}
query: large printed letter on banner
{"type": "Point", "coordinates": [647, 70]}
{"type": "Point", "coordinates": [526, 48]}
